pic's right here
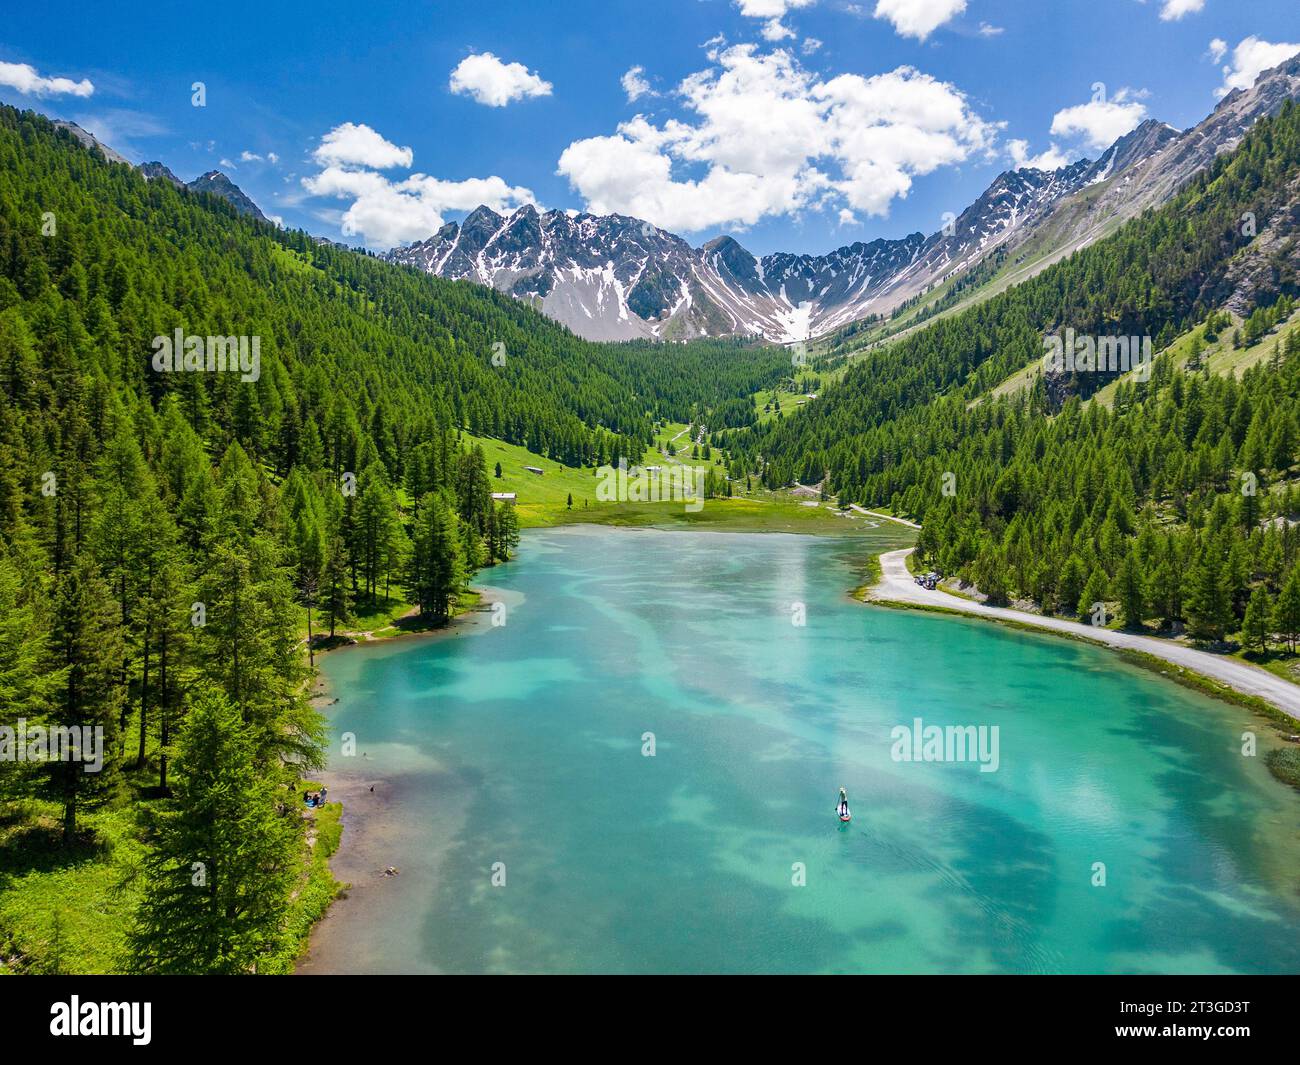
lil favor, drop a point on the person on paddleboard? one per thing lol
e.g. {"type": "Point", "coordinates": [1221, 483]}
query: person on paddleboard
{"type": "Point", "coordinates": [843, 808]}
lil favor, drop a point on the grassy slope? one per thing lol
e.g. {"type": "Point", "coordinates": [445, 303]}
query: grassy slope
{"type": "Point", "coordinates": [543, 501]}
{"type": "Point", "coordinates": [792, 401]}
{"type": "Point", "coordinates": [537, 494]}
{"type": "Point", "coordinates": [61, 911]}
{"type": "Point", "coordinates": [1220, 357]}
{"type": "Point", "coordinates": [66, 911]}
{"type": "Point", "coordinates": [740, 515]}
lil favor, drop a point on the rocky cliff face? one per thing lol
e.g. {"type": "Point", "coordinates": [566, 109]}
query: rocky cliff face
{"type": "Point", "coordinates": [216, 183]}
{"type": "Point", "coordinates": [156, 171]}
{"type": "Point", "coordinates": [88, 139]}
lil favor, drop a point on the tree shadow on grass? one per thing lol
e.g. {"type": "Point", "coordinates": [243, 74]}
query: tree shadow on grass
{"type": "Point", "coordinates": [35, 845]}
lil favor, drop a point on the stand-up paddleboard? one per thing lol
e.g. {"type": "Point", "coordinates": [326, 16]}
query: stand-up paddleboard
{"type": "Point", "coordinates": [846, 817]}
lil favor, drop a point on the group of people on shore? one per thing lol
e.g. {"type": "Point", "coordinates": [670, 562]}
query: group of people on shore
{"type": "Point", "coordinates": [315, 799]}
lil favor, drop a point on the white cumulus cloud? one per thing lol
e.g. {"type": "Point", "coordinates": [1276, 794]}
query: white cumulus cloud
{"type": "Point", "coordinates": [386, 212]}
{"type": "Point", "coordinates": [635, 84]}
{"type": "Point", "coordinates": [763, 137]}
{"type": "Point", "coordinates": [356, 144]}
{"type": "Point", "coordinates": [30, 82]}
{"type": "Point", "coordinates": [493, 83]}
{"type": "Point", "coordinates": [1249, 60]}
{"type": "Point", "coordinates": [1051, 159]}
{"type": "Point", "coordinates": [770, 9]}
{"type": "Point", "coordinates": [1101, 122]}
{"type": "Point", "coordinates": [776, 30]}
{"type": "Point", "coordinates": [919, 18]}
{"type": "Point", "coordinates": [1173, 10]}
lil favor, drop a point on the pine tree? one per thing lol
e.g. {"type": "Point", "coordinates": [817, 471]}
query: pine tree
{"type": "Point", "coordinates": [1129, 590]}
{"type": "Point", "coordinates": [1255, 627]}
{"type": "Point", "coordinates": [396, 551]}
{"type": "Point", "coordinates": [249, 648]}
{"type": "Point", "coordinates": [309, 569]}
{"type": "Point", "coordinates": [1070, 587]}
{"type": "Point", "coordinates": [1248, 513]}
{"type": "Point", "coordinates": [474, 490]}
{"type": "Point", "coordinates": [1208, 603]}
{"type": "Point", "coordinates": [158, 614]}
{"type": "Point", "coordinates": [168, 608]}
{"type": "Point", "coordinates": [23, 681]}
{"type": "Point", "coordinates": [507, 530]}
{"type": "Point", "coordinates": [1286, 612]}
{"type": "Point", "coordinates": [436, 569]}
{"type": "Point", "coordinates": [85, 658]}
{"type": "Point", "coordinates": [1095, 591]}
{"type": "Point", "coordinates": [376, 528]}
{"type": "Point", "coordinates": [336, 590]}
{"type": "Point", "coordinates": [224, 855]}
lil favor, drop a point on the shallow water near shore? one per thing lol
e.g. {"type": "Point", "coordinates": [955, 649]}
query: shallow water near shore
{"type": "Point", "coordinates": [518, 751]}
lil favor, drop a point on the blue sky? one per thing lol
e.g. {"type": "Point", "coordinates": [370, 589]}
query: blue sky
{"type": "Point", "coordinates": [796, 125]}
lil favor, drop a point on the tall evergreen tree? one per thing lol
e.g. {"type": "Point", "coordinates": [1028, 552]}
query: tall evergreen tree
{"type": "Point", "coordinates": [1095, 591]}
{"type": "Point", "coordinates": [1255, 627]}
{"type": "Point", "coordinates": [224, 854]}
{"type": "Point", "coordinates": [1130, 591]}
{"type": "Point", "coordinates": [336, 590]}
{"type": "Point", "coordinates": [85, 655]}
{"type": "Point", "coordinates": [1286, 612]}
{"type": "Point", "coordinates": [1209, 607]}
{"type": "Point", "coordinates": [436, 569]}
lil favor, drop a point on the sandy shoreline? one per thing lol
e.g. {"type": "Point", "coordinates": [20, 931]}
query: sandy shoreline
{"type": "Point", "coordinates": [897, 586]}
{"type": "Point", "coordinates": [371, 801]}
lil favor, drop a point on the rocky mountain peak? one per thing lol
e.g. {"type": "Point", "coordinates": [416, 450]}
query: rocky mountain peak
{"type": "Point", "coordinates": [91, 142]}
{"type": "Point", "coordinates": [615, 278]}
{"type": "Point", "coordinates": [156, 170]}
{"type": "Point", "coordinates": [217, 184]}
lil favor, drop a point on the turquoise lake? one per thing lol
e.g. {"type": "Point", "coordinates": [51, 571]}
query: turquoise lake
{"type": "Point", "coordinates": [519, 749]}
